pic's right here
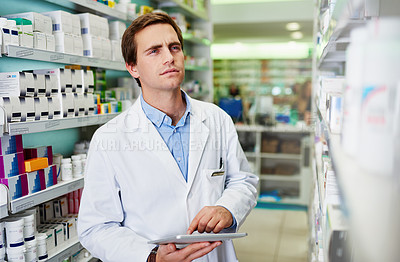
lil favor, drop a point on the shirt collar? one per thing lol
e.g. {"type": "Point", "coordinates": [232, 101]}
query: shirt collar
{"type": "Point", "coordinates": [158, 117]}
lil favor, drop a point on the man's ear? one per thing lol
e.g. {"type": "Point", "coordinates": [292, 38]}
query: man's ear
{"type": "Point", "coordinates": [132, 70]}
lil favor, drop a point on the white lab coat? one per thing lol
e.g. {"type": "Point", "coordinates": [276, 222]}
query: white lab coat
{"type": "Point", "coordinates": [134, 190]}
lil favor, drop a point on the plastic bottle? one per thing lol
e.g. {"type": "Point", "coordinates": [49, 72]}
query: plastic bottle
{"type": "Point", "coordinates": [2, 236]}
{"type": "Point", "coordinates": [16, 254]}
{"type": "Point", "coordinates": [76, 166]}
{"type": "Point", "coordinates": [14, 231]}
{"type": "Point", "coordinates": [29, 226]}
{"type": "Point", "coordinates": [31, 251]}
{"type": "Point", "coordinates": [381, 76]}
{"type": "Point", "coordinates": [41, 247]}
{"type": "Point", "coordinates": [353, 91]}
{"type": "Point", "coordinates": [2, 253]}
{"type": "Point", "coordinates": [66, 169]}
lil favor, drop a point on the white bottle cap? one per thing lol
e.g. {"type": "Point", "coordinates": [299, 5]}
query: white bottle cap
{"type": "Point", "coordinates": [65, 160]}
{"type": "Point", "coordinates": [76, 157]}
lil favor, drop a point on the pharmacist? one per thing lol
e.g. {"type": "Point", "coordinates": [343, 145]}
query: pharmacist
{"type": "Point", "coordinates": [168, 165]}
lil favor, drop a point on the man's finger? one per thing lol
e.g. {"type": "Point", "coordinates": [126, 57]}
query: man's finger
{"type": "Point", "coordinates": [203, 251]}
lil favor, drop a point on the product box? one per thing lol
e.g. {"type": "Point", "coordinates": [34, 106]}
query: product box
{"type": "Point", "coordinates": [51, 82]}
{"type": "Point", "coordinates": [61, 20]}
{"type": "Point", "coordinates": [25, 32]}
{"type": "Point", "coordinates": [40, 23]}
{"type": "Point", "coordinates": [41, 108]}
{"type": "Point", "coordinates": [64, 42]}
{"type": "Point", "coordinates": [36, 181]}
{"type": "Point", "coordinates": [40, 85]}
{"type": "Point", "coordinates": [50, 240]}
{"type": "Point", "coordinates": [12, 107]}
{"type": "Point", "coordinates": [27, 109]}
{"type": "Point", "coordinates": [103, 27]}
{"type": "Point", "coordinates": [76, 24]}
{"type": "Point", "coordinates": [55, 108]}
{"type": "Point", "coordinates": [78, 45]}
{"type": "Point", "coordinates": [46, 212]}
{"type": "Point", "coordinates": [89, 104]}
{"type": "Point", "coordinates": [67, 103]}
{"type": "Point", "coordinates": [16, 84]}
{"type": "Point", "coordinates": [37, 152]}
{"type": "Point", "coordinates": [35, 164]}
{"type": "Point", "coordinates": [14, 32]}
{"type": "Point", "coordinates": [50, 43]}
{"type": "Point", "coordinates": [116, 53]}
{"type": "Point", "coordinates": [88, 81]}
{"type": "Point", "coordinates": [60, 207]}
{"type": "Point", "coordinates": [12, 165]}
{"type": "Point", "coordinates": [10, 144]}
{"type": "Point", "coordinates": [116, 29]}
{"type": "Point", "coordinates": [64, 80]}
{"type": "Point", "coordinates": [89, 24]}
{"type": "Point", "coordinates": [79, 104]}
{"type": "Point", "coordinates": [122, 93]}
{"type": "Point", "coordinates": [6, 39]}
{"type": "Point", "coordinates": [77, 81]}
{"type": "Point", "coordinates": [50, 175]}
{"type": "Point", "coordinates": [92, 46]}
{"type": "Point", "coordinates": [39, 40]}
{"type": "Point", "coordinates": [106, 49]}
{"type": "Point", "coordinates": [17, 186]}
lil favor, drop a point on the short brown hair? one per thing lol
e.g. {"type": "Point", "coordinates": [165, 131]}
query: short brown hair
{"type": "Point", "coordinates": [129, 45]}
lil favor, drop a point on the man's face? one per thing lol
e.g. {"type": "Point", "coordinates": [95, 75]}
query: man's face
{"type": "Point", "coordinates": [160, 60]}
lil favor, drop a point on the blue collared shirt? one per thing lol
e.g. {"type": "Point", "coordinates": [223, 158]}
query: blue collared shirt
{"type": "Point", "coordinates": [175, 137]}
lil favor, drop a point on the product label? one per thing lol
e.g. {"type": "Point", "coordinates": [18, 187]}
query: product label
{"type": "Point", "coordinates": [375, 108]}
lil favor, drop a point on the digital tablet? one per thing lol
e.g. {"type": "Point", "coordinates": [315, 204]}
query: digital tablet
{"type": "Point", "coordinates": [197, 237]}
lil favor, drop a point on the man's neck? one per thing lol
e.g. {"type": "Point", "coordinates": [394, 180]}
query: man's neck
{"type": "Point", "coordinates": [171, 103]}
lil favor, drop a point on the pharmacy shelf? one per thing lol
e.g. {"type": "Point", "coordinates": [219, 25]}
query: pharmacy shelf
{"type": "Point", "coordinates": [281, 156]}
{"type": "Point", "coordinates": [195, 40]}
{"type": "Point", "coordinates": [280, 177]}
{"type": "Point", "coordinates": [55, 57]}
{"type": "Point", "coordinates": [21, 128]}
{"type": "Point", "coordinates": [62, 188]}
{"type": "Point", "coordinates": [251, 154]}
{"type": "Point", "coordinates": [283, 200]}
{"type": "Point", "coordinates": [184, 8]}
{"type": "Point", "coordinates": [278, 128]}
{"type": "Point", "coordinates": [196, 68]}
{"type": "Point", "coordinates": [64, 251]}
{"type": "Point", "coordinates": [92, 7]}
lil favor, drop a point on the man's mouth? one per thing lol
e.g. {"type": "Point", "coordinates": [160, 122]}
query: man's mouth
{"type": "Point", "coordinates": [168, 71]}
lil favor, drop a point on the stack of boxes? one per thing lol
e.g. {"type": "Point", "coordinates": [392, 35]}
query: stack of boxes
{"type": "Point", "coordinates": [117, 30]}
{"type": "Point", "coordinates": [95, 36]}
{"type": "Point", "coordinates": [25, 171]}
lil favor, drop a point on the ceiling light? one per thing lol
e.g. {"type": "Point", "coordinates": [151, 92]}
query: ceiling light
{"type": "Point", "coordinates": [292, 26]}
{"type": "Point", "coordinates": [296, 35]}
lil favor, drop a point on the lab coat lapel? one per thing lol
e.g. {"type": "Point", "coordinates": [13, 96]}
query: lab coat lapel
{"type": "Point", "coordinates": [198, 138]}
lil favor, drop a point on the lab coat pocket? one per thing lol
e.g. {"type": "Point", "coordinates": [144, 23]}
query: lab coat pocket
{"type": "Point", "coordinates": [214, 183]}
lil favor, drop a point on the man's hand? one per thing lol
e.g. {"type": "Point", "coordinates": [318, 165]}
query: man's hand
{"type": "Point", "coordinates": [169, 253]}
{"type": "Point", "coordinates": [211, 218]}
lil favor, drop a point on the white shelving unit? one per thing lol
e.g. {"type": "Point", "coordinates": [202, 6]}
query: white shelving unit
{"type": "Point", "coordinates": [299, 181]}
{"type": "Point", "coordinates": [369, 202]}
{"type": "Point", "coordinates": [198, 47]}
{"type": "Point", "coordinates": [55, 57]}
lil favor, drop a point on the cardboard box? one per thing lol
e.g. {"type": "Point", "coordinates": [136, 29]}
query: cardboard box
{"type": "Point", "coordinates": [61, 21]}
{"type": "Point", "coordinates": [116, 29]}
{"type": "Point", "coordinates": [13, 84]}
{"type": "Point", "coordinates": [55, 108]}
{"type": "Point", "coordinates": [35, 164]}
{"type": "Point", "coordinates": [36, 181]}
{"type": "Point", "coordinates": [14, 32]}
{"type": "Point", "coordinates": [92, 46]}
{"type": "Point", "coordinates": [64, 80]}
{"type": "Point", "coordinates": [77, 81]}
{"type": "Point", "coordinates": [76, 24]}
{"type": "Point", "coordinates": [12, 165]}
{"type": "Point", "coordinates": [39, 40]}
{"type": "Point", "coordinates": [46, 212]}
{"type": "Point", "coordinates": [68, 107]}
{"type": "Point", "coordinates": [40, 85]}
{"type": "Point", "coordinates": [78, 45]}
{"type": "Point", "coordinates": [37, 152]}
{"type": "Point", "coordinates": [88, 81]}
{"type": "Point", "coordinates": [10, 144]}
{"type": "Point", "coordinates": [27, 109]}
{"type": "Point", "coordinates": [60, 207]}
{"type": "Point", "coordinates": [40, 23]}
{"type": "Point", "coordinates": [79, 104]}
{"type": "Point", "coordinates": [12, 107]}
{"type": "Point", "coordinates": [17, 186]}
{"type": "Point", "coordinates": [50, 175]}
{"type": "Point", "coordinates": [116, 52]}
{"type": "Point", "coordinates": [41, 108]}
{"type": "Point", "coordinates": [51, 82]}
{"type": "Point", "coordinates": [6, 39]}
{"type": "Point", "coordinates": [50, 240]}
{"type": "Point", "coordinates": [64, 42]}
{"type": "Point", "coordinates": [50, 43]}
{"type": "Point", "coordinates": [89, 24]}
{"type": "Point", "coordinates": [25, 32]}
{"type": "Point", "coordinates": [106, 49]}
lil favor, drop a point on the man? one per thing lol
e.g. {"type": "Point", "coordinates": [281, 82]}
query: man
{"type": "Point", "coordinates": [168, 165]}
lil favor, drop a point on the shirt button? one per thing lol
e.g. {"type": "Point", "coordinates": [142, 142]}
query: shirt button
{"type": "Point", "coordinates": [174, 130]}
{"type": "Point", "coordinates": [178, 158]}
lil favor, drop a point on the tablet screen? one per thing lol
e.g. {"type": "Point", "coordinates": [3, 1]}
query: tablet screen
{"type": "Point", "coordinates": [197, 237]}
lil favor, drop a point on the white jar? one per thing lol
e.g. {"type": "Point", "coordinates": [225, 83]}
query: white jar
{"type": "Point", "coordinates": [66, 171]}
{"type": "Point", "coordinates": [41, 246]}
{"type": "Point", "coordinates": [31, 251]}
{"type": "Point", "coordinates": [77, 168]}
{"type": "Point", "coordinates": [2, 253]}
{"type": "Point", "coordinates": [29, 226]}
{"type": "Point", "coordinates": [14, 231]}
{"type": "Point", "coordinates": [65, 161]}
{"type": "Point", "coordinates": [16, 254]}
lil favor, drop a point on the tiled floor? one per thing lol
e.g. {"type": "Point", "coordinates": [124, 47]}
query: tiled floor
{"type": "Point", "coordinates": [274, 236]}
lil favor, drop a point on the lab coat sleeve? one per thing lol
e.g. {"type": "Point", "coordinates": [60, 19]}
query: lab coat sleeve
{"type": "Point", "coordinates": [101, 213]}
{"type": "Point", "coordinates": [240, 193]}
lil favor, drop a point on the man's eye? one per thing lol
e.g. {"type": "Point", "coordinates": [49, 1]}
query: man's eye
{"type": "Point", "coordinates": [153, 51]}
{"type": "Point", "coordinates": [176, 48]}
